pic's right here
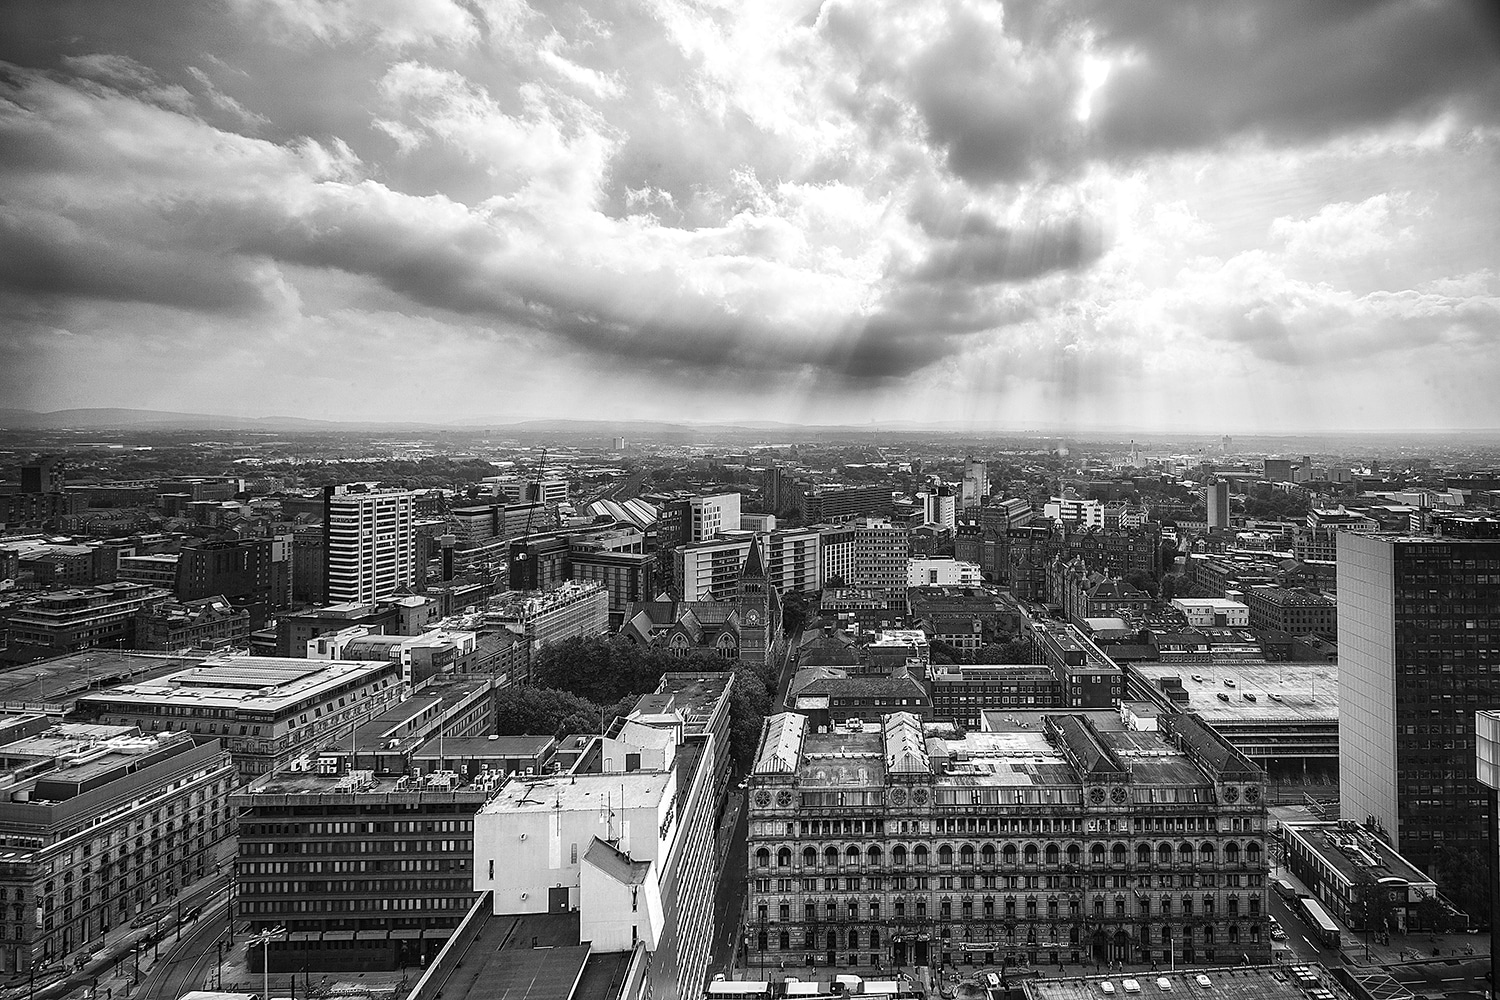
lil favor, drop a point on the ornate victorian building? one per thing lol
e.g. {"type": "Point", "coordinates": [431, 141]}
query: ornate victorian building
{"type": "Point", "coordinates": [1069, 836]}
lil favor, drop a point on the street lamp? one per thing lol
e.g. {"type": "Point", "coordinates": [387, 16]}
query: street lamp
{"type": "Point", "coordinates": [264, 939]}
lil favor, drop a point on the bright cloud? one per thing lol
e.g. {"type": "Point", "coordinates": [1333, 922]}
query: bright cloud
{"type": "Point", "coordinates": [847, 211]}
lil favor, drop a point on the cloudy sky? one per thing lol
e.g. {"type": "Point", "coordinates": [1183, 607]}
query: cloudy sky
{"type": "Point", "coordinates": [1236, 216]}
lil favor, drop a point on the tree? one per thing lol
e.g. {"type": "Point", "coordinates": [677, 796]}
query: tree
{"type": "Point", "coordinates": [834, 581]}
{"type": "Point", "coordinates": [1142, 581]}
{"type": "Point", "coordinates": [539, 711]}
{"type": "Point", "coordinates": [749, 704]}
{"type": "Point", "coordinates": [794, 612]}
{"type": "Point", "coordinates": [1014, 651]}
{"type": "Point", "coordinates": [607, 670]}
{"type": "Point", "coordinates": [1465, 879]}
{"type": "Point", "coordinates": [1373, 909]}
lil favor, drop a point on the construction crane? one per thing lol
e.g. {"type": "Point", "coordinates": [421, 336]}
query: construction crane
{"type": "Point", "coordinates": [541, 467]}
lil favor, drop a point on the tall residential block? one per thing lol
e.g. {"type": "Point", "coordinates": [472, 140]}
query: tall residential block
{"type": "Point", "coordinates": [369, 542]}
{"type": "Point", "coordinates": [1216, 499]}
{"type": "Point", "coordinates": [976, 485]}
{"type": "Point", "coordinates": [1419, 655]}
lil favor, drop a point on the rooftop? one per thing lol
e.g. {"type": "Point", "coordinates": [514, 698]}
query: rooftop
{"type": "Point", "coordinates": [1282, 692]}
{"type": "Point", "coordinates": [1354, 852]}
{"type": "Point", "coordinates": [1253, 982]}
{"type": "Point", "coordinates": [533, 956]}
{"type": "Point", "coordinates": [65, 677]}
{"type": "Point", "coordinates": [249, 683]}
{"type": "Point", "coordinates": [485, 746]}
{"type": "Point", "coordinates": [577, 792]}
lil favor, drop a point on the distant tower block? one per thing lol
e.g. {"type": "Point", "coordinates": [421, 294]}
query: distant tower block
{"type": "Point", "coordinates": [1227, 443]}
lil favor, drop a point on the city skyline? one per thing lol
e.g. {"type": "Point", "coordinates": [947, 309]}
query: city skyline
{"type": "Point", "coordinates": [1070, 216]}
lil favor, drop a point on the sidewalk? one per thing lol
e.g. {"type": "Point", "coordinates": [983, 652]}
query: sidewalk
{"type": "Point", "coordinates": [111, 962]}
{"type": "Point", "coordinates": [1415, 947]}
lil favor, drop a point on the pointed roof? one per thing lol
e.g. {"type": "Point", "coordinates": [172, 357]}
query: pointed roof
{"type": "Point", "coordinates": [753, 567]}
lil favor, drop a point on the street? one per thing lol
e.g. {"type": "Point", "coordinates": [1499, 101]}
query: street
{"type": "Point", "coordinates": [183, 967]}
{"type": "Point", "coordinates": [729, 895]}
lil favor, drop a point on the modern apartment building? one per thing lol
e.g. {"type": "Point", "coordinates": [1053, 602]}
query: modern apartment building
{"type": "Point", "coordinates": [369, 545]}
{"type": "Point", "coordinates": [976, 485]}
{"type": "Point", "coordinates": [792, 559]}
{"type": "Point", "coordinates": [881, 550]}
{"type": "Point", "coordinates": [1419, 655]}
{"type": "Point", "coordinates": [1216, 500]}
{"type": "Point", "coordinates": [710, 570]}
{"type": "Point", "coordinates": [100, 824]}
{"type": "Point", "coordinates": [265, 710]}
{"type": "Point", "coordinates": [365, 871]}
{"type": "Point", "coordinates": [70, 620]}
{"type": "Point", "coordinates": [835, 505]}
{"type": "Point", "coordinates": [1067, 836]}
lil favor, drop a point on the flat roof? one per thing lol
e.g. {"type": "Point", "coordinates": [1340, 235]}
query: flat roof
{"type": "Point", "coordinates": [503, 963]}
{"type": "Point", "coordinates": [1304, 692]}
{"type": "Point", "coordinates": [485, 746]}
{"type": "Point", "coordinates": [254, 683]}
{"type": "Point", "coordinates": [576, 792]}
{"type": "Point", "coordinates": [1353, 853]}
{"type": "Point", "coordinates": [65, 677]}
{"type": "Point", "coordinates": [1252, 982]}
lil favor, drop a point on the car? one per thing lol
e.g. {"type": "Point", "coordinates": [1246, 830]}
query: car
{"type": "Point", "coordinates": [1131, 986]}
{"type": "Point", "coordinates": [993, 980]}
{"type": "Point", "coordinates": [1107, 988]}
{"type": "Point", "coordinates": [1164, 984]}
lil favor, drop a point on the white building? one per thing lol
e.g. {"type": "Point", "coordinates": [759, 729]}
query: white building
{"type": "Point", "coordinates": [793, 559]}
{"type": "Point", "coordinates": [1086, 513]}
{"type": "Point", "coordinates": [1213, 612]}
{"type": "Point", "coordinates": [939, 508]}
{"type": "Point", "coordinates": [710, 570]}
{"type": "Point", "coordinates": [942, 571]}
{"type": "Point", "coordinates": [709, 515]}
{"type": "Point", "coordinates": [369, 543]}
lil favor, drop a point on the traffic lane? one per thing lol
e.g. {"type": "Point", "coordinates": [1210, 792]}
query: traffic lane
{"type": "Point", "coordinates": [1298, 936]}
{"type": "Point", "coordinates": [788, 671]}
{"type": "Point", "coordinates": [182, 969]}
{"type": "Point", "coordinates": [1450, 978]}
{"type": "Point", "coordinates": [729, 896]}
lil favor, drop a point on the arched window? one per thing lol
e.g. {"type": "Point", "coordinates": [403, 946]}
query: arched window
{"type": "Point", "coordinates": [874, 937]}
{"type": "Point", "coordinates": [853, 938]}
{"type": "Point", "coordinates": [966, 855]}
{"type": "Point", "coordinates": [898, 856]}
{"type": "Point", "coordinates": [831, 857]}
{"type": "Point", "coordinates": [1206, 852]}
{"type": "Point", "coordinates": [1096, 854]}
{"type": "Point", "coordinates": [1075, 854]}
{"type": "Point", "coordinates": [945, 855]}
{"type": "Point", "coordinates": [786, 941]}
{"type": "Point", "coordinates": [1052, 854]}
{"type": "Point", "coordinates": [1252, 852]}
{"type": "Point", "coordinates": [874, 856]}
{"type": "Point", "coordinates": [1117, 854]}
{"type": "Point", "coordinates": [1164, 854]}
{"type": "Point", "coordinates": [1030, 855]}
{"type": "Point", "coordinates": [919, 856]}
{"type": "Point", "coordinates": [679, 647]}
{"type": "Point", "coordinates": [809, 857]}
{"type": "Point", "coordinates": [874, 909]}
{"type": "Point", "coordinates": [763, 858]}
{"type": "Point", "coordinates": [987, 854]}
{"type": "Point", "coordinates": [1143, 854]}
{"type": "Point", "coordinates": [1234, 933]}
{"type": "Point", "coordinates": [1187, 906]}
{"type": "Point", "coordinates": [1008, 854]}
{"type": "Point", "coordinates": [1185, 852]}
{"type": "Point", "coordinates": [1208, 933]}
{"type": "Point", "coordinates": [1232, 853]}
{"type": "Point", "coordinates": [784, 858]}
{"type": "Point", "coordinates": [851, 856]}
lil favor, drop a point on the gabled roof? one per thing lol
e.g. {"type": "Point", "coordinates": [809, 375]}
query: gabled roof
{"type": "Point", "coordinates": [905, 748]}
{"type": "Point", "coordinates": [781, 744]}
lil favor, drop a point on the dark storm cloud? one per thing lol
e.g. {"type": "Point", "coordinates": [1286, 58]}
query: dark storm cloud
{"type": "Point", "coordinates": [1199, 73]}
{"type": "Point", "coordinates": [51, 258]}
{"type": "Point", "coordinates": [985, 253]}
{"type": "Point", "coordinates": [1000, 100]}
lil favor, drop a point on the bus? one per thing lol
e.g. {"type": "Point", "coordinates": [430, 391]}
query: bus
{"type": "Point", "coordinates": [1284, 888]}
{"type": "Point", "coordinates": [1324, 930]}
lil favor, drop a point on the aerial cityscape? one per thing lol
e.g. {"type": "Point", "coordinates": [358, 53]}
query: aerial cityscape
{"type": "Point", "coordinates": [804, 500]}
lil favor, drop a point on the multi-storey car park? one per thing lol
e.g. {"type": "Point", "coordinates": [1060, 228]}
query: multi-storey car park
{"type": "Point", "coordinates": [1068, 835]}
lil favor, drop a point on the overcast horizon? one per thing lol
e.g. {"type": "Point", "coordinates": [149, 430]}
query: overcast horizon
{"type": "Point", "coordinates": [1248, 217]}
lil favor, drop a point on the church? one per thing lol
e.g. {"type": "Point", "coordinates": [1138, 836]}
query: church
{"type": "Point", "coordinates": [746, 628]}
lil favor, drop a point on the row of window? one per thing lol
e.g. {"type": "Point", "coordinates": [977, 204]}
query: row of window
{"type": "Point", "coordinates": [1164, 853]}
